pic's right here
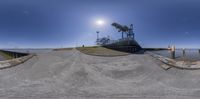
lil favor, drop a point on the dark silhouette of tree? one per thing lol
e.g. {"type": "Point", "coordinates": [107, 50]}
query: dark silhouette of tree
{"type": "Point", "coordinates": [104, 40]}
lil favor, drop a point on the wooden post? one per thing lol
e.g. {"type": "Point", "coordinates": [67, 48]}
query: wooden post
{"type": "Point", "coordinates": [173, 52]}
{"type": "Point", "coordinates": [183, 52]}
{"type": "Point", "coordinates": [122, 35]}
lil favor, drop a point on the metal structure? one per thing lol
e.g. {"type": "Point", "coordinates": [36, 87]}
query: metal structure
{"type": "Point", "coordinates": [103, 40]}
{"type": "Point", "coordinates": [124, 29]}
{"type": "Point", "coordinates": [97, 37]}
{"type": "Point", "coordinates": [130, 32]}
{"type": "Point", "coordinates": [125, 43]}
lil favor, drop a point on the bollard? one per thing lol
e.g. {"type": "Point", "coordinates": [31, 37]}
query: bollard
{"type": "Point", "coordinates": [173, 52]}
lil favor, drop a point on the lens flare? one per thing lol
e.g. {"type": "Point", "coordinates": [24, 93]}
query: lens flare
{"type": "Point", "coordinates": [100, 22]}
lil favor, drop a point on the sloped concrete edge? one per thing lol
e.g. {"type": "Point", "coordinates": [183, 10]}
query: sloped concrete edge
{"type": "Point", "coordinates": [174, 63]}
{"type": "Point", "coordinates": [14, 62]}
{"type": "Point", "coordinates": [103, 55]}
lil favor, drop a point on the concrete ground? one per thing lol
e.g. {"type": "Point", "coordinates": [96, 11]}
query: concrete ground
{"type": "Point", "coordinates": [74, 75]}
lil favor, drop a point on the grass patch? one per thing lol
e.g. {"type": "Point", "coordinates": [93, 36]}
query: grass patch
{"type": "Point", "coordinates": [101, 51]}
{"type": "Point", "coordinates": [6, 56]}
{"type": "Point", "coordinates": [62, 49]}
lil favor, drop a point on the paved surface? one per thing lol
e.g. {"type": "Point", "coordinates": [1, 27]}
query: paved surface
{"type": "Point", "coordinates": [73, 75]}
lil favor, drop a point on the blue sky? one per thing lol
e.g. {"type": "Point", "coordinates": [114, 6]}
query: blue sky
{"type": "Point", "coordinates": [65, 23]}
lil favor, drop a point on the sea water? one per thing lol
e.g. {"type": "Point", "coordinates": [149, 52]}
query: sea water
{"type": "Point", "coordinates": [29, 50]}
{"type": "Point", "coordinates": [37, 51]}
{"type": "Point", "coordinates": [190, 54]}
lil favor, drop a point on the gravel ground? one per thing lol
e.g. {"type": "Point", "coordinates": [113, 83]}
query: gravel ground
{"type": "Point", "coordinates": [73, 75]}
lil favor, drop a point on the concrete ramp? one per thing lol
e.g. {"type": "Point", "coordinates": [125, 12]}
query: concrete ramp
{"type": "Point", "coordinates": [73, 75]}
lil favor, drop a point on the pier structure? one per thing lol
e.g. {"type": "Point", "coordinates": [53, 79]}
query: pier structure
{"type": "Point", "coordinates": [184, 52]}
{"type": "Point", "coordinates": [173, 50]}
{"type": "Point", "coordinates": [11, 54]}
{"type": "Point", "coordinates": [125, 43]}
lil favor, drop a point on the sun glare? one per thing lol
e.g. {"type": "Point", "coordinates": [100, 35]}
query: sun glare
{"type": "Point", "coordinates": [100, 22]}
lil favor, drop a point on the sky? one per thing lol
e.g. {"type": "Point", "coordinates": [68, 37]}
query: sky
{"type": "Point", "coordinates": [68, 23]}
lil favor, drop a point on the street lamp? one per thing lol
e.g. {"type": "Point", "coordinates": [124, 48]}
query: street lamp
{"type": "Point", "coordinates": [97, 37]}
{"type": "Point", "coordinates": [99, 23]}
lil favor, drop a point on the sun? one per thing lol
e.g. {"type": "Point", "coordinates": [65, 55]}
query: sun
{"type": "Point", "coordinates": [100, 22]}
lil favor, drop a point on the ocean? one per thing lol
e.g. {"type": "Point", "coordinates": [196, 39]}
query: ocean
{"type": "Point", "coordinates": [30, 50]}
{"type": "Point", "coordinates": [37, 51]}
{"type": "Point", "coordinates": [190, 54]}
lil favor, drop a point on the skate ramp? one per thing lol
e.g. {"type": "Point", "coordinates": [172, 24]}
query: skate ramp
{"type": "Point", "coordinates": [74, 75]}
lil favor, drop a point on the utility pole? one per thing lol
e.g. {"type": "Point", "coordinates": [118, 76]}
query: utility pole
{"type": "Point", "coordinates": [131, 34]}
{"type": "Point", "coordinates": [97, 37]}
{"type": "Point", "coordinates": [173, 49]}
